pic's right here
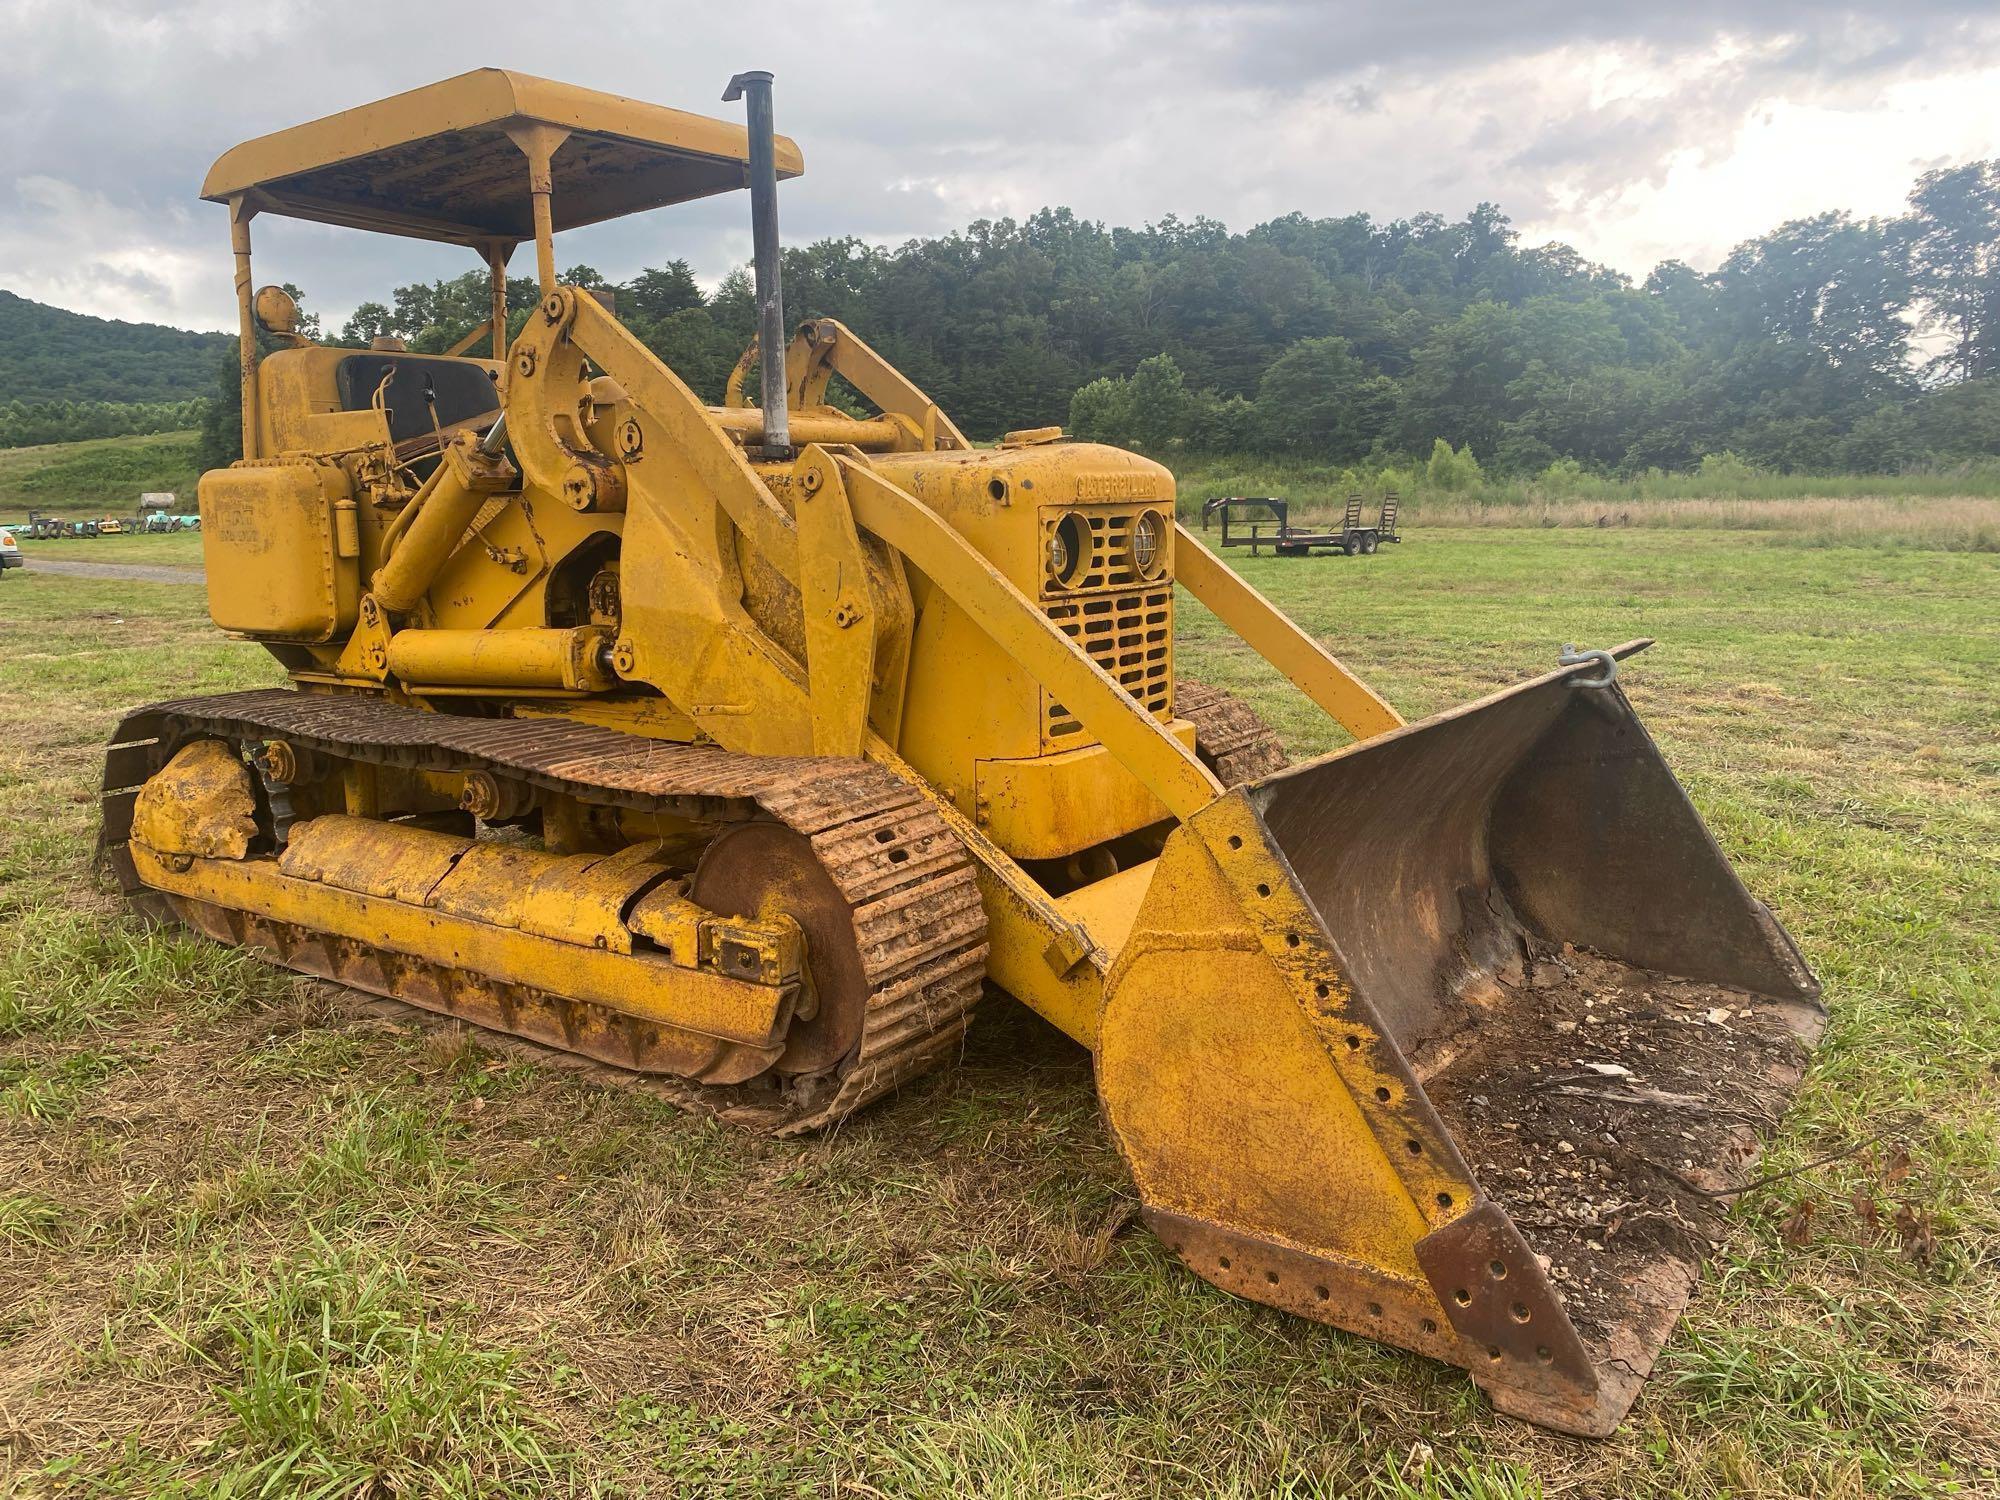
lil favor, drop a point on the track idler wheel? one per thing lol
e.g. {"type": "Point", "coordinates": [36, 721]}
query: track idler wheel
{"type": "Point", "coordinates": [767, 870]}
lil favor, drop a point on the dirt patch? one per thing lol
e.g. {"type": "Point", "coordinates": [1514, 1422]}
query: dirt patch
{"type": "Point", "coordinates": [1608, 1109]}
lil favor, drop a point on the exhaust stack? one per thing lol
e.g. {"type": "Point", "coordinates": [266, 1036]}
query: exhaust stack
{"type": "Point", "coordinates": [755, 90]}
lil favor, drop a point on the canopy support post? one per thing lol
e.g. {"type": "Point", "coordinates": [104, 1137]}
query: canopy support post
{"type": "Point", "coordinates": [538, 143]}
{"type": "Point", "coordinates": [240, 214]}
{"type": "Point", "coordinates": [496, 264]}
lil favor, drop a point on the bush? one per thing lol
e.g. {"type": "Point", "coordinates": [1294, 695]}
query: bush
{"type": "Point", "coordinates": [1159, 406]}
{"type": "Point", "coordinates": [1153, 410]}
{"type": "Point", "coordinates": [1451, 471]}
{"type": "Point", "coordinates": [1725, 471]}
{"type": "Point", "coordinates": [1317, 399]}
{"type": "Point", "coordinates": [1101, 412]}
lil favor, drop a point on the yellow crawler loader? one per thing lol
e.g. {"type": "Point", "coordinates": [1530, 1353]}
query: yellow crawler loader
{"type": "Point", "coordinates": [746, 746]}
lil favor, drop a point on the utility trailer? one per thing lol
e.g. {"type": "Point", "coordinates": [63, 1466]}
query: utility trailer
{"type": "Point", "coordinates": [1287, 540]}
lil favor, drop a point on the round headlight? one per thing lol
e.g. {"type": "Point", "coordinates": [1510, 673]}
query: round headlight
{"type": "Point", "coordinates": [1066, 550]}
{"type": "Point", "coordinates": [1149, 537]}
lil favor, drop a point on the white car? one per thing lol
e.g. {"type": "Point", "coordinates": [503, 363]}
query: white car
{"type": "Point", "coordinates": [10, 552]}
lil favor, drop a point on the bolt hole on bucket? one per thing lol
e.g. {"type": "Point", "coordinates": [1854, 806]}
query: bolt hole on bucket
{"type": "Point", "coordinates": [1561, 1032]}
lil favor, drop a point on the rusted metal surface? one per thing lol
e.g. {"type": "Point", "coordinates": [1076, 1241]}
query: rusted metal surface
{"type": "Point", "coordinates": [761, 868]}
{"type": "Point", "coordinates": [1345, 1293]}
{"type": "Point", "coordinates": [916, 920]}
{"type": "Point", "coordinates": [1505, 1310]}
{"type": "Point", "coordinates": [1229, 735]}
{"type": "Point", "coordinates": [202, 804]}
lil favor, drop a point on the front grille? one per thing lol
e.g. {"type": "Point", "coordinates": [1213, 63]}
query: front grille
{"type": "Point", "coordinates": [1107, 548]}
{"type": "Point", "coordinates": [1128, 634]}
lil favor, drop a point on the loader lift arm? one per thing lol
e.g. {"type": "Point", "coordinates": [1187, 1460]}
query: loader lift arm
{"type": "Point", "coordinates": [1040, 953]}
{"type": "Point", "coordinates": [1314, 670]}
{"type": "Point", "coordinates": [933, 547]}
{"type": "Point", "coordinates": [837, 491]}
{"type": "Point", "coordinates": [849, 488]}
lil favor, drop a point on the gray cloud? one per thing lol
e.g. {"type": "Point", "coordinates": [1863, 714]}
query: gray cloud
{"type": "Point", "coordinates": [1279, 44]}
{"type": "Point", "coordinates": [917, 115]}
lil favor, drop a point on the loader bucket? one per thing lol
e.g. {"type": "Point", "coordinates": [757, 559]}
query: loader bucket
{"type": "Point", "coordinates": [1460, 1038]}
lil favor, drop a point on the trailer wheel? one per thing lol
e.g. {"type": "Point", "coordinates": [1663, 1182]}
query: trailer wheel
{"type": "Point", "coordinates": [1368, 546]}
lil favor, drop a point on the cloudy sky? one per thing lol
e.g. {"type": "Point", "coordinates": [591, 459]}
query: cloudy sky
{"type": "Point", "coordinates": [1634, 131]}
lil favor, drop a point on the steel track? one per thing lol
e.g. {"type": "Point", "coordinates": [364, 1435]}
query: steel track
{"type": "Point", "coordinates": [918, 923]}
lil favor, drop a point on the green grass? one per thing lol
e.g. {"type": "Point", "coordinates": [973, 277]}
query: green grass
{"type": "Point", "coordinates": [338, 1380]}
{"type": "Point", "coordinates": [251, 1244]}
{"type": "Point", "coordinates": [172, 549]}
{"type": "Point", "coordinates": [1953, 510]}
{"type": "Point", "coordinates": [1262, 474]}
{"type": "Point", "coordinates": [103, 476]}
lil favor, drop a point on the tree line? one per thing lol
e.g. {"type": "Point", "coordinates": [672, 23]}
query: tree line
{"type": "Point", "coordinates": [1829, 344]}
{"type": "Point", "coordinates": [24, 424]}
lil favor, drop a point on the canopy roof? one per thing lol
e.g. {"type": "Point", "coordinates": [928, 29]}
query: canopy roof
{"type": "Point", "coordinates": [437, 163]}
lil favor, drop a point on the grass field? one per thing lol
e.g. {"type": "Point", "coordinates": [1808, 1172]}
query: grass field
{"type": "Point", "coordinates": [104, 476]}
{"type": "Point", "coordinates": [250, 1245]}
{"type": "Point", "coordinates": [1723, 478]}
{"type": "Point", "coordinates": [171, 549]}
{"type": "Point", "coordinates": [1956, 511]}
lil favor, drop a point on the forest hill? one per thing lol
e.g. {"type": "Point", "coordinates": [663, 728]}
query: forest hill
{"type": "Point", "coordinates": [1346, 340]}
